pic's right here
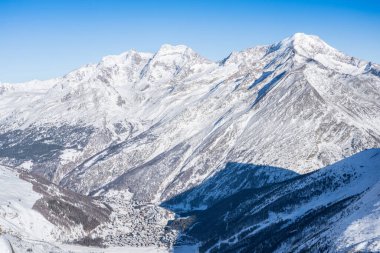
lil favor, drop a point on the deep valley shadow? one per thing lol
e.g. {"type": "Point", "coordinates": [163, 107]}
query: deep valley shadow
{"type": "Point", "coordinates": [233, 178]}
{"type": "Point", "coordinates": [205, 204]}
{"type": "Point", "coordinates": [255, 208]}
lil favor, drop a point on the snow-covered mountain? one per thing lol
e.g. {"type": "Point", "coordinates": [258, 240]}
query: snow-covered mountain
{"type": "Point", "coordinates": [141, 129]}
{"type": "Point", "coordinates": [334, 209]}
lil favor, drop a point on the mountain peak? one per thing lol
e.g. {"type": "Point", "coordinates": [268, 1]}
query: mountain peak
{"type": "Point", "coordinates": [124, 57]}
{"type": "Point", "coordinates": [301, 40]}
{"type": "Point", "coordinates": [304, 37]}
{"type": "Point", "coordinates": [173, 49]}
{"type": "Point", "coordinates": [308, 45]}
{"type": "Point", "coordinates": [173, 61]}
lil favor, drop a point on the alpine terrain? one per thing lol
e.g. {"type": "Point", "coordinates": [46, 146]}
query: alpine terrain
{"type": "Point", "coordinates": [273, 149]}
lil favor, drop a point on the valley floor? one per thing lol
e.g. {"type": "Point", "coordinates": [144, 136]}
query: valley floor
{"type": "Point", "coordinates": [9, 243]}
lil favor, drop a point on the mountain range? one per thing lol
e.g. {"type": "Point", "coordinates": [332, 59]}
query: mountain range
{"type": "Point", "coordinates": [274, 148]}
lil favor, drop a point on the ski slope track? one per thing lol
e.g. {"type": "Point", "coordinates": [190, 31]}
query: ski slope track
{"type": "Point", "coordinates": [145, 146]}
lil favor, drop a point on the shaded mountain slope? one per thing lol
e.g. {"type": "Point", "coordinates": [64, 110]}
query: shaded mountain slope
{"type": "Point", "coordinates": [325, 211]}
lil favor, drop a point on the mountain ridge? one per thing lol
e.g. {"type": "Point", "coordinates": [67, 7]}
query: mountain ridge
{"type": "Point", "coordinates": [297, 39]}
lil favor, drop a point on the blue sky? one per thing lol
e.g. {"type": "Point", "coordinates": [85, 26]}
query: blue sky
{"type": "Point", "coordinates": [41, 39]}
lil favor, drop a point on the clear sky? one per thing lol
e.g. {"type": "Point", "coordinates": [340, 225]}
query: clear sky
{"type": "Point", "coordinates": [41, 39]}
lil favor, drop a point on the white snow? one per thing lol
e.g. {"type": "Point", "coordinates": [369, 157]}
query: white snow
{"type": "Point", "coordinates": [16, 213]}
{"type": "Point", "coordinates": [5, 246]}
{"type": "Point", "coordinates": [27, 165]}
{"type": "Point", "coordinates": [69, 155]}
{"type": "Point", "coordinates": [361, 230]}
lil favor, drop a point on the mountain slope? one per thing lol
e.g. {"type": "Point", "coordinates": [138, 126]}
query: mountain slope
{"type": "Point", "coordinates": [34, 209]}
{"type": "Point", "coordinates": [325, 210]}
{"type": "Point", "coordinates": [284, 94]}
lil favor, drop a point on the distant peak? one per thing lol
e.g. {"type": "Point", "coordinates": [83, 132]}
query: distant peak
{"type": "Point", "coordinates": [302, 39]}
{"type": "Point", "coordinates": [123, 57]}
{"type": "Point", "coordinates": [301, 42]}
{"type": "Point", "coordinates": [303, 36]}
{"type": "Point", "coordinates": [307, 45]}
{"type": "Point", "coordinates": [176, 49]}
